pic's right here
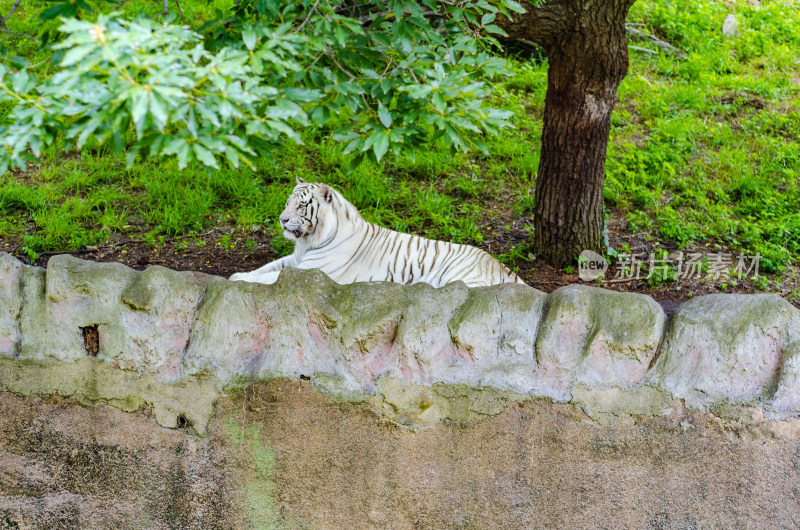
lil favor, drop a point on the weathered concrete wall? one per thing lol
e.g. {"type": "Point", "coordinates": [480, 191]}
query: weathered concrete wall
{"type": "Point", "coordinates": [281, 455]}
{"type": "Point", "coordinates": [63, 465]}
{"type": "Point", "coordinates": [667, 422]}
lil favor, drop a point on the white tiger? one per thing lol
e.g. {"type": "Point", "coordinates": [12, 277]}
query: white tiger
{"type": "Point", "coordinates": [330, 235]}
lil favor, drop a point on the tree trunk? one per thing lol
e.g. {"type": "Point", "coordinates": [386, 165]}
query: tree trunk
{"type": "Point", "coordinates": [588, 58]}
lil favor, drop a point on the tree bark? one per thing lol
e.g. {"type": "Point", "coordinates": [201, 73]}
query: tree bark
{"type": "Point", "coordinates": [588, 58]}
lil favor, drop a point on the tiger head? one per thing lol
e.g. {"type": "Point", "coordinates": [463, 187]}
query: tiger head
{"type": "Point", "coordinates": [306, 211]}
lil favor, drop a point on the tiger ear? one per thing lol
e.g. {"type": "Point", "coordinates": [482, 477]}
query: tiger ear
{"type": "Point", "coordinates": [300, 181]}
{"type": "Point", "coordinates": [327, 192]}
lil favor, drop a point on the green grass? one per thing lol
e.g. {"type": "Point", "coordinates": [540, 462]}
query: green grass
{"type": "Point", "coordinates": [704, 150]}
{"type": "Point", "coordinates": [707, 148]}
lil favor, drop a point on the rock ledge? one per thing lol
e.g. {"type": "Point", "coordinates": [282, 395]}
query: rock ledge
{"type": "Point", "coordinates": [174, 340]}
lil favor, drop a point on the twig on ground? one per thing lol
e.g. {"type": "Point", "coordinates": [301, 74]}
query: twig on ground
{"type": "Point", "coordinates": [645, 50]}
{"type": "Point", "coordinates": [641, 35]}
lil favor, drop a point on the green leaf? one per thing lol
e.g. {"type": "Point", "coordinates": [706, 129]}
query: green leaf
{"type": "Point", "coordinates": [285, 129]}
{"type": "Point", "coordinates": [87, 130]}
{"type": "Point", "coordinates": [249, 37]}
{"type": "Point", "coordinates": [341, 36]}
{"type": "Point", "coordinates": [20, 81]}
{"type": "Point", "coordinates": [418, 91]}
{"type": "Point", "coordinates": [258, 66]}
{"type": "Point", "coordinates": [256, 128]}
{"type": "Point", "coordinates": [233, 158]}
{"type": "Point", "coordinates": [439, 102]}
{"type": "Point", "coordinates": [355, 162]}
{"type": "Point", "coordinates": [141, 102]}
{"type": "Point", "coordinates": [75, 55]}
{"type": "Point", "coordinates": [384, 115]}
{"type": "Point", "coordinates": [53, 12]}
{"type": "Point", "coordinates": [514, 6]}
{"type": "Point", "coordinates": [381, 145]}
{"type": "Point", "coordinates": [345, 136]}
{"type": "Point", "coordinates": [240, 144]}
{"type": "Point", "coordinates": [83, 5]}
{"type": "Point", "coordinates": [131, 156]}
{"type": "Point", "coordinates": [191, 121]}
{"type": "Point", "coordinates": [205, 156]}
{"type": "Point", "coordinates": [184, 155]}
{"type": "Point", "coordinates": [159, 111]}
{"type": "Point", "coordinates": [320, 115]}
{"type": "Point", "coordinates": [353, 145]}
{"type": "Point", "coordinates": [491, 28]}
{"type": "Point", "coordinates": [206, 111]}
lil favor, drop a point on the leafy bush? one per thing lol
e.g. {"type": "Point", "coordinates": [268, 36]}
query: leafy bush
{"type": "Point", "coordinates": [400, 84]}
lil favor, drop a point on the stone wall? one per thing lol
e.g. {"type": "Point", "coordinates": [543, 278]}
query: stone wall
{"type": "Point", "coordinates": [174, 340]}
{"type": "Point", "coordinates": [583, 384]}
{"type": "Point", "coordinates": [282, 455]}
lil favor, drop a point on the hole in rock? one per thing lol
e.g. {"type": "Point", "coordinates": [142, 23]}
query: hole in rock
{"type": "Point", "coordinates": [91, 340]}
{"type": "Point", "coordinates": [182, 421]}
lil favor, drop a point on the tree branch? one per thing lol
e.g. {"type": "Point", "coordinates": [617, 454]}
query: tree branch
{"type": "Point", "coordinates": [180, 11]}
{"type": "Point", "coordinates": [9, 32]}
{"type": "Point", "coordinates": [352, 9]}
{"type": "Point", "coordinates": [4, 27]}
{"type": "Point", "coordinates": [165, 11]}
{"type": "Point", "coordinates": [13, 8]}
{"type": "Point", "coordinates": [13, 44]}
{"type": "Point", "coordinates": [332, 57]}
{"type": "Point", "coordinates": [540, 25]}
{"type": "Point", "coordinates": [545, 24]}
{"type": "Point", "coordinates": [310, 12]}
{"type": "Point", "coordinates": [367, 20]}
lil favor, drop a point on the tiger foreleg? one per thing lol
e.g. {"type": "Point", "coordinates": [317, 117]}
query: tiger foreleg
{"type": "Point", "coordinates": [267, 274]}
{"type": "Point", "coordinates": [253, 277]}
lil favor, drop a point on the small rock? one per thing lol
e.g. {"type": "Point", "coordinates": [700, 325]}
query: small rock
{"type": "Point", "coordinates": [730, 26]}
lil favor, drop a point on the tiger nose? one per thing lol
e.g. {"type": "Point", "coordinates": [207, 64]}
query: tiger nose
{"type": "Point", "coordinates": [284, 220]}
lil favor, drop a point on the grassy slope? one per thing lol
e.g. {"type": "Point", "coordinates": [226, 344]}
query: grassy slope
{"type": "Point", "coordinates": [707, 148]}
{"type": "Point", "coordinates": [704, 151]}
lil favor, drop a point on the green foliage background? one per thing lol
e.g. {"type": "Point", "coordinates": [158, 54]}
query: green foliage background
{"type": "Point", "coordinates": [704, 152]}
